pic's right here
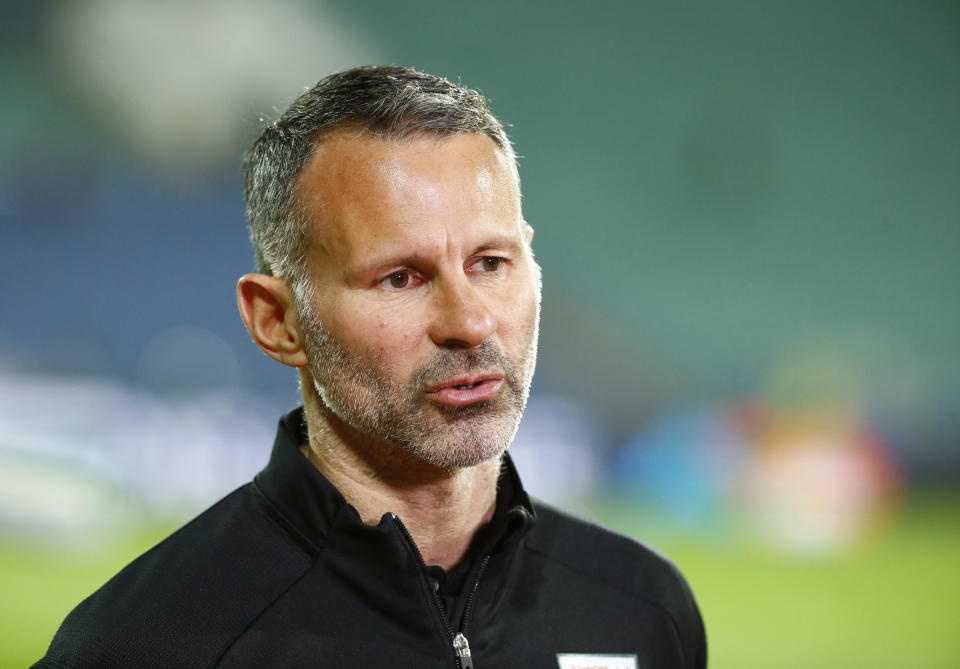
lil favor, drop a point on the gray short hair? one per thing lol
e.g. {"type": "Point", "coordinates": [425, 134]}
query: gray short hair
{"type": "Point", "coordinates": [389, 101]}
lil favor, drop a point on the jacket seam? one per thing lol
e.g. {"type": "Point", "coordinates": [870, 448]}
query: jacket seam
{"type": "Point", "coordinates": [260, 614]}
{"type": "Point", "coordinates": [290, 532]}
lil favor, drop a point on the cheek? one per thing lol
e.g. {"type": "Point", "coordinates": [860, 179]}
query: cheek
{"type": "Point", "coordinates": [520, 313]}
{"type": "Point", "coordinates": [374, 326]}
{"type": "Point", "coordinates": [395, 337]}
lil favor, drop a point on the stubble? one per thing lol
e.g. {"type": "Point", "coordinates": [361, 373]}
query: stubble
{"type": "Point", "coordinates": [354, 388]}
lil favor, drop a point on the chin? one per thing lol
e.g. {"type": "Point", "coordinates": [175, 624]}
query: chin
{"type": "Point", "coordinates": [459, 459]}
{"type": "Point", "coordinates": [463, 446]}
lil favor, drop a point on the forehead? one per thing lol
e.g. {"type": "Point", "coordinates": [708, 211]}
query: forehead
{"type": "Point", "coordinates": [348, 152]}
{"type": "Point", "coordinates": [360, 189]}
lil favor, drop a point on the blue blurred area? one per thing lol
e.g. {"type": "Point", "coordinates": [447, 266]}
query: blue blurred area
{"type": "Point", "coordinates": [684, 463]}
{"type": "Point", "coordinates": [721, 192]}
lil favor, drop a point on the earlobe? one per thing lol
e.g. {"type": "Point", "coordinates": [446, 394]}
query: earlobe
{"type": "Point", "coordinates": [267, 309]}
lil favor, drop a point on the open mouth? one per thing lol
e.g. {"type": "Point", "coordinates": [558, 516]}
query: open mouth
{"type": "Point", "coordinates": [455, 394]}
{"type": "Point", "coordinates": [468, 386]}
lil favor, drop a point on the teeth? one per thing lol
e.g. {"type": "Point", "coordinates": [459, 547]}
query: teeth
{"type": "Point", "coordinates": [469, 385]}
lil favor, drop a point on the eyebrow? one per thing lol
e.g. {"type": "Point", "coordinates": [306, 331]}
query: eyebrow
{"type": "Point", "coordinates": [506, 242]}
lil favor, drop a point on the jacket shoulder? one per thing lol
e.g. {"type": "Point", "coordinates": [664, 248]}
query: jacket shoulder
{"type": "Point", "coordinates": [598, 560]}
{"type": "Point", "coordinates": [187, 598]}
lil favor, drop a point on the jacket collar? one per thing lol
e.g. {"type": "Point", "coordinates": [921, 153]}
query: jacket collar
{"type": "Point", "coordinates": [313, 506]}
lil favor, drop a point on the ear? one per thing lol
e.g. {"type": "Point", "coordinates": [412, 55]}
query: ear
{"type": "Point", "coordinates": [528, 232]}
{"type": "Point", "coordinates": [267, 308]}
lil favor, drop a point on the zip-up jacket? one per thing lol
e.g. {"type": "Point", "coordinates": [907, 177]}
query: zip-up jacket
{"type": "Point", "coordinates": [283, 573]}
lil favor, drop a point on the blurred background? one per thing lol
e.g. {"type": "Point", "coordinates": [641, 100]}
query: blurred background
{"type": "Point", "coordinates": [748, 217]}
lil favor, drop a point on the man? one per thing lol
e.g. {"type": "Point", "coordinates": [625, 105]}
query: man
{"type": "Point", "coordinates": [389, 528]}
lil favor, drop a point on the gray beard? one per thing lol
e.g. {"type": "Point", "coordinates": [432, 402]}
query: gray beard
{"type": "Point", "coordinates": [355, 390]}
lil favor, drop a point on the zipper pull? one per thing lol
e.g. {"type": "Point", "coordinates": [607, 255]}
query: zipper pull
{"type": "Point", "coordinates": [462, 648]}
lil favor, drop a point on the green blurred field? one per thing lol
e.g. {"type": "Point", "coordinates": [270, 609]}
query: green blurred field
{"type": "Point", "coordinates": [895, 605]}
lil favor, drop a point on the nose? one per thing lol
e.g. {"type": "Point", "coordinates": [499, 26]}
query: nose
{"type": "Point", "coordinates": [461, 319]}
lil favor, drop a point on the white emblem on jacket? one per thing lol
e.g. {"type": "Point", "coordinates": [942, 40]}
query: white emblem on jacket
{"type": "Point", "coordinates": [596, 661]}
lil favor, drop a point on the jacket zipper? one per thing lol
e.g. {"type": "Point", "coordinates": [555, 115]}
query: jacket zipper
{"type": "Point", "coordinates": [463, 652]}
{"type": "Point", "coordinates": [461, 647]}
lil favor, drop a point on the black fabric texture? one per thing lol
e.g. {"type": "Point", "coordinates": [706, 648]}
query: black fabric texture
{"type": "Point", "coordinates": [283, 573]}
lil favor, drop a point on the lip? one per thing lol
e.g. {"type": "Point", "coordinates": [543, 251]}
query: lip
{"type": "Point", "coordinates": [482, 387]}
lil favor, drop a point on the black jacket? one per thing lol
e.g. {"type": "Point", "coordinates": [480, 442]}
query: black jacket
{"type": "Point", "coordinates": [282, 573]}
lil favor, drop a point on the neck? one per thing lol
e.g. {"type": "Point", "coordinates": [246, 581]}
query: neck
{"type": "Point", "coordinates": [442, 508]}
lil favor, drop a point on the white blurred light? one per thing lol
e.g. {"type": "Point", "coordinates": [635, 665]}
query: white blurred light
{"type": "Point", "coordinates": [557, 450]}
{"type": "Point", "coordinates": [72, 449]}
{"type": "Point", "coordinates": [55, 499]}
{"type": "Point", "coordinates": [185, 81]}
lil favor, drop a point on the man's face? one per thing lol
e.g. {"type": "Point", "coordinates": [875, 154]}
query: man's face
{"type": "Point", "coordinates": [422, 328]}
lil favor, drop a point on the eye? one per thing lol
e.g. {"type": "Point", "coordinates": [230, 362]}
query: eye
{"type": "Point", "coordinates": [488, 265]}
{"type": "Point", "coordinates": [491, 263]}
{"type": "Point", "coordinates": [398, 280]}
{"type": "Point", "coordinates": [401, 280]}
